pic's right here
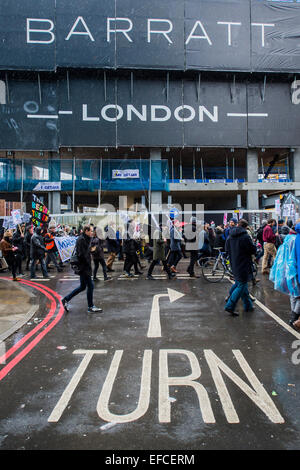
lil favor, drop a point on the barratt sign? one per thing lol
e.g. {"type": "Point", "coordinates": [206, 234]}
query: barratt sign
{"type": "Point", "coordinates": [227, 35]}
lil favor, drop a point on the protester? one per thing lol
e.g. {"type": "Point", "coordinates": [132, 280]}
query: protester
{"type": "Point", "coordinates": [27, 238]}
{"type": "Point", "coordinates": [97, 252]}
{"type": "Point", "coordinates": [240, 249]}
{"type": "Point", "coordinates": [285, 272]}
{"type": "Point", "coordinates": [193, 243]}
{"type": "Point", "coordinates": [175, 246]}
{"type": "Point", "coordinates": [37, 253]}
{"type": "Point", "coordinates": [232, 224]}
{"type": "Point", "coordinates": [130, 247]}
{"type": "Point", "coordinates": [18, 243]}
{"type": "Point", "coordinates": [269, 239]}
{"type": "Point", "coordinates": [112, 245]}
{"type": "Point", "coordinates": [8, 250]}
{"type": "Point", "coordinates": [159, 253]}
{"type": "Point", "coordinates": [51, 248]}
{"type": "Point", "coordinates": [84, 269]}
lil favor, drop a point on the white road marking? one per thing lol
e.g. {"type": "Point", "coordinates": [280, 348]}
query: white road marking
{"type": "Point", "coordinates": [67, 394]}
{"type": "Point", "coordinates": [154, 329]}
{"type": "Point", "coordinates": [273, 315]}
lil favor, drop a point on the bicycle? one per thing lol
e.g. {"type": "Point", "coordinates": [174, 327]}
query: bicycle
{"type": "Point", "coordinates": [215, 268]}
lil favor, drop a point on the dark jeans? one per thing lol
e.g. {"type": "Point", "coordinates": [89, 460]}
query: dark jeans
{"type": "Point", "coordinates": [51, 256]}
{"type": "Point", "coordinates": [97, 262]}
{"type": "Point", "coordinates": [131, 259]}
{"type": "Point", "coordinates": [154, 263]}
{"type": "Point", "coordinates": [11, 261]}
{"type": "Point", "coordinates": [43, 266]}
{"type": "Point", "coordinates": [237, 291]}
{"type": "Point", "coordinates": [19, 258]}
{"type": "Point", "coordinates": [193, 259]}
{"type": "Point", "coordinates": [85, 283]}
{"type": "Point", "coordinates": [175, 257]}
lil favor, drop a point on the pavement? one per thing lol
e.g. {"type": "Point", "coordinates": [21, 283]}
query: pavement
{"type": "Point", "coordinates": [18, 305]}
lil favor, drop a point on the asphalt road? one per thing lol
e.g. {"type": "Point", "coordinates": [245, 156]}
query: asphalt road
{"type": "Point", "coordinates": [163, 367]}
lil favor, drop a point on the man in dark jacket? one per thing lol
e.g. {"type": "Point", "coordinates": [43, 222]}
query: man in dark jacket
{"type": "Point", "coordinates": [240, 249]}
{"type": "Point", "coordinates": [112, 245]}
{"type": "Point", "coordinates": [27, 239]}
{"type": "Point", "coordinates": [82, 250]}
{"type": "Point", "coordinates": [37, 252]}
{"type": "Point", "coordinates": [192, 245]}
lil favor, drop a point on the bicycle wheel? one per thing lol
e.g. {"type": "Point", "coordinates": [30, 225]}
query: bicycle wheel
{"type": "Point", "coordinates": [213, 270]}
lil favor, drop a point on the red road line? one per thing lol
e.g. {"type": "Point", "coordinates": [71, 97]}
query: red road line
{"type": "Point", "coordinates": [34, 330]}
{"type": "Point", "coordinates": [34, 342]}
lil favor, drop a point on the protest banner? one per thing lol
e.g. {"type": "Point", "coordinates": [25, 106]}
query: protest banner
{"type": "Point", "coordinates": [65, 247]}
{"type": "Point", "coordinates": [40, 213]}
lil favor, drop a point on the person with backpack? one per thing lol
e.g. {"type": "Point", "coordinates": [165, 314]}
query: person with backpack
{"type": "Point", "coordinates": [98, 255]}
{"type": "Point", "coordinates": [84, 269]}
{"type": "Point", "coordinates": [240, 249]}
{"type": "Point", "coordinates": [37, 253]}
{"type": "Point", "coordinates": [51, 248]}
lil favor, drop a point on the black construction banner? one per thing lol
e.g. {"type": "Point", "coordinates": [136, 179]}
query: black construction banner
{"type": "Point", "coordinates": [220, 35]}
{"type": "Point", "coordinates": [101, 110]}
{"type": "Point", "coordinates": [275, 36]}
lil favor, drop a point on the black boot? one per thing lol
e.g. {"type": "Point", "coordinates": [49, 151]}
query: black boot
{"type": "Point", "coordinates": [294, 318]}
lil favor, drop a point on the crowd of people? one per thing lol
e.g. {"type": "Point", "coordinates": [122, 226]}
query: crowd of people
{"type": "Point", "coordinates": [275, 245]}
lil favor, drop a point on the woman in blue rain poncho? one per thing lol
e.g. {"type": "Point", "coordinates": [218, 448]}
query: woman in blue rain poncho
{"type": "Point", "coordinates": [285, 272]}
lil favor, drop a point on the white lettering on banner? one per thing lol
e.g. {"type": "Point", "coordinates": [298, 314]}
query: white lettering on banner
{"type": "Point", "coordinates": [296, 94]}
{"type": "Point", "coordinates": [262, 25]}
{"type": "Point", "coordinates": [38, 31]}
{"type": "Point", "coordinates": [80, 33]}
{"type": "Point", "coordinates": [158, 113]}
{"type": "Point", "coordinates": [229, 24]}
{"type": "Point", "coordinates": [115, 30]}
{"type": "Point", "coordinates": [80, 28]}
{"type": "Point", "coordinates": [257, 394]}
{"type": "Point", "coordinates": [158, 31]}
{"type": "Point", "coordinates": [65, 246]}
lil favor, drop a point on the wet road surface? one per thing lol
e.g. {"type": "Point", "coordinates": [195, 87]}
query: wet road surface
{"type": "Point", "coordinates": [163, 367]}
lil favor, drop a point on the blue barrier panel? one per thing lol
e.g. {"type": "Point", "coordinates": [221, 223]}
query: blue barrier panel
{"type": "Point", "coordinates": [115, 174]}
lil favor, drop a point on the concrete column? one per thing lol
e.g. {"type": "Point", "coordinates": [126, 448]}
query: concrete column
{"type": "Point", "coordinates": [252, 177]}
{"type": "Point", "coordinates": [252, 166]}
{"type": "Point", "coordinates": [156, 196]}
{"type": "Point", "coordinates": [252, 199]}
{"type": "Point", "coordinates": [54, 202]}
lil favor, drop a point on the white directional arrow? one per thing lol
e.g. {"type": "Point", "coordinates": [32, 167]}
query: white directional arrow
{"type": "Point", "coordinates": [154, 330]}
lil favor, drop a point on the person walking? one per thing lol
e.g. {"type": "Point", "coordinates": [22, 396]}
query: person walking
{"type": "Point", "coordinates": [18, 243]}
{"type": "Point", "coordinates": [240, 249]}
{"type": "Point", "coordinates": [27, 238]}
{"type": "Point", "coordinates": [51, 248]}
{"type": "Point", "coordinates": [175, 247]}
{"type": "Point", "coordinates": [192, 245]}
{"type": "Point", "coordinates": [84, 267]}
{"type": "Point", "coordinates": [269, 239]}
{"type": "Point", "coordinates": [8, 253]}
{"type": "Point", "coordinates": [112, 245]}
{"type": "Point", "coordinates": [232, 224]}
{"type": "Point", "coordinates": [37, 253]}
{"type": "Point", "coordinates": [159, 253]}
{"type": "Point", "coordinates": [98, 255]}
{"type": "Point", "coordinates": [130, 247]}
{"type": "Point", "coordinates": [285, 273]}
